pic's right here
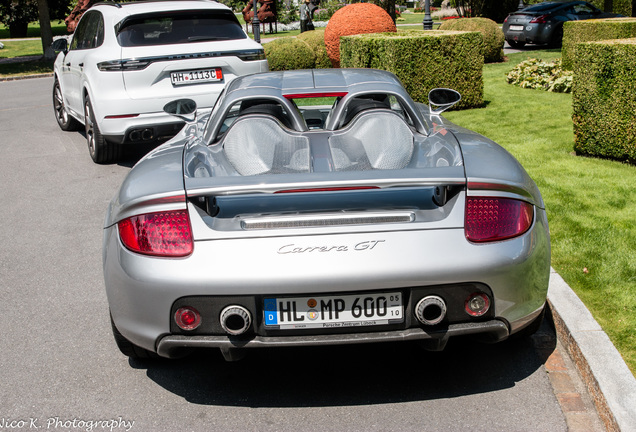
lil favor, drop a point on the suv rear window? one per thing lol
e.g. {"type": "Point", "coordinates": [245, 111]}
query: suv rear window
{"type": "Point", "coordinates": [168, 28]}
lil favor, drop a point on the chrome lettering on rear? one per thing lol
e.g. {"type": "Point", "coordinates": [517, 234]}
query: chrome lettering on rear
{"type": "Point", "coordinates": [297, 249]}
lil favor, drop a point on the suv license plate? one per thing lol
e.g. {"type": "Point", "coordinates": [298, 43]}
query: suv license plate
{"type": "Point", "coordinates": [333, 311]}
{"type": "Point", "coordinates": [196, 76]}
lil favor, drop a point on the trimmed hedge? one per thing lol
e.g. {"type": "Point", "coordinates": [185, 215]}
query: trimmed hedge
{"type": "Point", "coordinates": [575, 32]}
{"type": "Point", "coordinates": [316, 41]}
{"type": "Point", "coordinates": [423, 60]}
{"type": "Point", "coordinates": [623, 7]}
{"type": "Point", "coordinates": [493, 35]}
{"type": "Point", "coordinates": [289, 53]}
{"type": "Point", "coordinates": [604, 100]}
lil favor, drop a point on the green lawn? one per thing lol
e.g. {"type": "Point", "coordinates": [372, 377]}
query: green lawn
{"type": "Point", "coordinates": [591, 203]}
{"type": "Point", "coordinates": [58, 28]}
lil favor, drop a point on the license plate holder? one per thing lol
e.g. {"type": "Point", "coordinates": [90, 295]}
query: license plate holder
{"type": "Point", "coordinates": [196, 76]}
{"type": "Point", "coordinates": [333, 311]}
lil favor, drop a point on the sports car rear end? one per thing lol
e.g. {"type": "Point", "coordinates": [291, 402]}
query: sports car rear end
{"type": "Point", "coordinates": [365, 229]}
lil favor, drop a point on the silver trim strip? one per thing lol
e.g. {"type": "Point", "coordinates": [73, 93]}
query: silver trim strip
{"type": "Point", "coordinates": [320, 220]}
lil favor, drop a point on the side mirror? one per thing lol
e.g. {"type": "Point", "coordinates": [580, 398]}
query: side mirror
{"type": "Point", "coordinates": [60, 45]}
{"type": "Point", "coordinates": [442, 99]}
{"type": "Point", "coordinates": [185, 109]}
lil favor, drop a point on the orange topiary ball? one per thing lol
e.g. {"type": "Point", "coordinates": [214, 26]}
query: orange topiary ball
{"type": "Point", "coordinates": [356, 18]}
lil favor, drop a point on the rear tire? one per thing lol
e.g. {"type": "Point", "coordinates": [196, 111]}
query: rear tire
{"type": "Point", "coordinates": [101, 151]}
{"type": "Point", "coordinates": [64, 120]}
{"type": "Point", "coordinates": [516, 44]}
{"type": "Point", "coordinates": [129, 349]}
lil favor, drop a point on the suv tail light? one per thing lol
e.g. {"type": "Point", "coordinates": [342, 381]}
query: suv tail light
{"type": "Point", "coordinates": [123, 65]}
{"type": "Point", "coordinates": [166, 234]}
{"type": "Point", "coordinates": [540, 19]}
{"type": "Point", "coordinates": [493, 219]}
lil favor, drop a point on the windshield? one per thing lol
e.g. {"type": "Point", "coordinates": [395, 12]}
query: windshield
{"type": "Point", "coordinates": [166, 28]}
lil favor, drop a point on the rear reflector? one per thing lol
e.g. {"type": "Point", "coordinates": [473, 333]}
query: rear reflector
{"type": "Point", "coordinates": [166, 234]}
{"type": "Point", "coordinates": [492, 219]}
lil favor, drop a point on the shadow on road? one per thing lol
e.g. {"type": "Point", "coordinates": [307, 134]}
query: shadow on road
{"type": "Point", "coordinates": [352, 375]}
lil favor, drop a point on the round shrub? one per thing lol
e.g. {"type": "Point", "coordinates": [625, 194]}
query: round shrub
{"type": "Point", "coordinates": [288, 54]}
{"type": "Point", "coordinates": [356, 18]}
{"type": "Point", "coordinates": [316, 41]}
{"type": "Point", "coordinates": [493, 35]}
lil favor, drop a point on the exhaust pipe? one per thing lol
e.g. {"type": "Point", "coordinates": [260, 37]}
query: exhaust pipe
{"type": "Point", "coordinates": [135, 135]}
{"type": "Point", "coordinates": [147, 134]}
{"type": "Point", "coordinates": [430, 310]}
{"type": "Point", "coordinates": [235, 320]}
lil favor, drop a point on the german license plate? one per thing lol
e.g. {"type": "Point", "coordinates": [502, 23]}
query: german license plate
{"type": "Point", "coordinates": [333, 311]}
{"type": "Point", "coordinates": [196, 76]}
{"type": "Point", "coordinates": [516, 27]}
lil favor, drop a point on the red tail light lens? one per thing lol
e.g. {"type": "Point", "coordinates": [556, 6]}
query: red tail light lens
{"type": "Point", "coordinates": [166, 234]}
{"type": "Point", "coordinates": [493, 219]}
{"type": "Point", "coordinates": [540, 19]}
{"type": "Point", "coordinates": [187, 318]}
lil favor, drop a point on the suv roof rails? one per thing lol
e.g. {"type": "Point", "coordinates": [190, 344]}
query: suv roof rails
{"type": "Point", "coordinates": [108, 3]}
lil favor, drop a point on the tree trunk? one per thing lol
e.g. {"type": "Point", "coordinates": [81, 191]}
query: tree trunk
{"type": "Point", "coordinates": [46, 34]}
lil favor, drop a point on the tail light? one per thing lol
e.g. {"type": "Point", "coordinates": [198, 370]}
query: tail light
{"type": "Point", "coordinates": [540, 19]}
{"type": "Point", "coordinates": [477, 304]}
{"type": "Point", "coordinates": [123, 65]}
{"type": "Point", "coordinates": [187, 318]}
{"type": "Point", "coordinates": [492, 219]}
{"type": "Point", "coordinates": [166, 234]}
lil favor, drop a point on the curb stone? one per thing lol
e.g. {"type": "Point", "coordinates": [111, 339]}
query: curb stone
{"type": "Point", "coordinates": [608, 379]}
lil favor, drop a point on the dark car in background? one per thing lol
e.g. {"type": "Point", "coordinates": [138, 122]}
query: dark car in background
{"type": "Point", "coordinates": [543, 23]}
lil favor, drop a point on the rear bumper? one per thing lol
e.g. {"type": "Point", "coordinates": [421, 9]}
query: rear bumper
{"type": "Point", "coordinates": [531, 33]}
{"type": "Point", "coordinates": [142, 291]}
{"type": "Point", "coordinates": [146, 132]}
{"type": "Point", "coordinates": [492, 331]}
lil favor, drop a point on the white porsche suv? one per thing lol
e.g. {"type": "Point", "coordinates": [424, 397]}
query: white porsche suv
{"type": "Point", "coordinates": [125, 61]}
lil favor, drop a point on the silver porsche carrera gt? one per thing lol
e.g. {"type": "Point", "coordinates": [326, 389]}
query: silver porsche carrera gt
{"type": "Point", "coordinates": [323, 207]}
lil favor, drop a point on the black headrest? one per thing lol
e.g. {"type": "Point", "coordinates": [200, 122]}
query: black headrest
{"type": "Point", "coordinates": [265, 107]}
{"type": "Point", "coordinates": [358, 105]}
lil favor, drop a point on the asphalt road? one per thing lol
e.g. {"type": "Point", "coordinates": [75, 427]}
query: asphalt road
{"type": "Point", "coordinates": [60, 368]}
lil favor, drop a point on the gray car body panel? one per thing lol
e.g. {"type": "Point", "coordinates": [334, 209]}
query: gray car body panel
{"type": "Point", "coordinates": [228, 260]}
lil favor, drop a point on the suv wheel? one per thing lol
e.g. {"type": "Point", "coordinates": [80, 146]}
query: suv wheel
{"type": "Point", "coordinates": [101, 151]}
{"type": "Point", "coordinates": [64, 120]}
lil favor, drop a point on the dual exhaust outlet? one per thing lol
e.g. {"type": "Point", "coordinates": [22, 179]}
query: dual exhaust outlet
{"type": "Point", "coordinates": [141, 134]}
{"type": "Point", "coordinates": [236, 320]}
{"type": "Point", "coordinates": [431, 310]}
